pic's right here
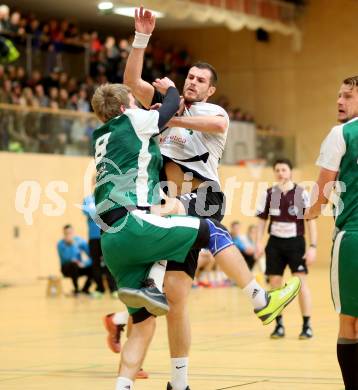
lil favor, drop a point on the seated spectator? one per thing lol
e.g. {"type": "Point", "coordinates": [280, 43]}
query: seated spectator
{"type": "Point", "coordinates": [246, 248]}
{"type": "Point", "coordinates": [208, 273]}
{"type": "Point", "coordinates": [70, 250]}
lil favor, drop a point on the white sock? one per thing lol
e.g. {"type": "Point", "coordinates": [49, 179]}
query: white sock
{"type": "Point", "coordinates": [157, 273]}
{"type": "Point", "coordinates": [179, 380]}
{"type": "Point", "coordinates": [124, 383]}
{"type": "Point", "coordinates": [120, 318]}
{"type": "Point", "coordinates": [256, 293]}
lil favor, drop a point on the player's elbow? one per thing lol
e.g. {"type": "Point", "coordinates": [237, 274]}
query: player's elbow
{"type": "Point", "coordinates": [220, 127]}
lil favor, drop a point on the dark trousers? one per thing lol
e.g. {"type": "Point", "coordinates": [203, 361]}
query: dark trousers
{"type": "Point", "coordinates": [73, 271]}
{"type": "Point", "coordinates": [99, 269]}
{"type": "Point", "coordinates": [250, 260]}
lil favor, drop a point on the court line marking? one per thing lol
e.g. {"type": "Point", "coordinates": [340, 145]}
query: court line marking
{"type": "Point", "coordinates": [241, 385]}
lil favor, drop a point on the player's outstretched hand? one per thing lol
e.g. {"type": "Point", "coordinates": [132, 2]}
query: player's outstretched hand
{"type": "Point", "coordinates": [144, 21]}
{"type": "Point", "coordinates": [162, 85]}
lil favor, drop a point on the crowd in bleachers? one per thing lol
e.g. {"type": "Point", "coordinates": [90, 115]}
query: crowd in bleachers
{"type": "Point", "coordinates": [54, 88]}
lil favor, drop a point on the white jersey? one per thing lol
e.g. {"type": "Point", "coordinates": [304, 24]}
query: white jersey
{"type": "Point", "coordinates": [196, 151]}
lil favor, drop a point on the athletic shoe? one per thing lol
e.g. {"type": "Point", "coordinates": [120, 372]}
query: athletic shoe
{"type": "Point", "coordinates": [306, 333]}
{"type": "Point", "coordinates": [114, 333]}
{"type": "Point", "coordinates": [141, 374]}
{"type": "Point", "coordinates": [278, 333]}
{"type": "Point", "coordinates": [278, 299]}
{"type": "Point", "coordinates": [170, 387]}
{"type": "Point", "coordinates": [149, 297]}
{"type": "Point", "coordinates": [203, 283]}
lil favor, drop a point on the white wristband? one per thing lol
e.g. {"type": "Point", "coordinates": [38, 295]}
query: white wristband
{"type": "Point", "coordinates": [141, 40]}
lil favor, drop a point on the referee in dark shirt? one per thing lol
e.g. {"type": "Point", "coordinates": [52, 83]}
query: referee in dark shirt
{"type": "Point", "coordinates": [283, 205]}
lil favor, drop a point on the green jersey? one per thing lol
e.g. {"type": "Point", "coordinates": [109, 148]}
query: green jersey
{"type": "Point", "coordinates": [128, 161]}
{"type": "Point", "coordinates": [339, 152]}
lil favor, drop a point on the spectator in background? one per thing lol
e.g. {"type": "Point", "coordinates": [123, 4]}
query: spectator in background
{"type": "Point", "coordinates": [35, 79]}
{"type": "Point", "coordinates": [245, 247]}
{"type": "Point", "coordinates": [95, 48]}
{"type": "Point", "coordinates": [112, 57]}
{"type": "Point", "coordinates": [21, 76]}
{"type": "Point", "coordinates": [251, 236]}
{"type": "Point", "coordinates": [34, 29]}
{"type": "Point", "coordinates": [52, 80]}
{"type": "Point", "coordinates": [83, 103]}
{"type": "Point", "coordinates": [4, 18]}
{"type": "Point", "coordinates": [94, 236]}
{"type": "Point", "coordinates": [70, 250]}
{"type": "Point", "coordinates": [6, 92]}
{"type": "Point", "coordinates": [53, 94]}
{"type": "Point", "coordinates": [42, 99]}
{"type": "Point", "coordinates": [14, 24]}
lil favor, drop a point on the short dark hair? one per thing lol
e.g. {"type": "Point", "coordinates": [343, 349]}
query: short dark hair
{"type": "Point", "coordinates": [351, 81]}
{"type": "Point", "coordinates": [68, 226]}
{"type": "Point", "coordinates": [282, 161]}
{"type": "Point", "coordinates": [214, 73]}
{"type": "Point", "coordinates": [235, 223]}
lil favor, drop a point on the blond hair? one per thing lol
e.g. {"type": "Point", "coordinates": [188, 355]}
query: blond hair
{"type": "Point", "coordinates": [108, 99]}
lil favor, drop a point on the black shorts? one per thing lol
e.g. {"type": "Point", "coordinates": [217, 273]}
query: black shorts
{"type": "Point", "coordinates": [204, 203]}
{"type": "Point", "coordinates": [281, 252]}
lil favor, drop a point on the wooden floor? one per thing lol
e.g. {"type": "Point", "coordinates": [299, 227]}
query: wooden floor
{"type": "Point", "coordinates": [59, 343]}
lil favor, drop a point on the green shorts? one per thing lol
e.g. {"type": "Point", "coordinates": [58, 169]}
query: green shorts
{"type": "Point", "coordinates": [344, 273]}
{"type": "Point", "coordinates": [135, 242]}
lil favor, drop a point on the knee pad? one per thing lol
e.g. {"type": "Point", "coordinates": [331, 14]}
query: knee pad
{"type": "Point", "coordinates": [219, 237]}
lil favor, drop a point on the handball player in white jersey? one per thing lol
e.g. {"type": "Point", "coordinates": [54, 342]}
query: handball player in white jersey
{"type": "Point", "coordinates": [192, 147]}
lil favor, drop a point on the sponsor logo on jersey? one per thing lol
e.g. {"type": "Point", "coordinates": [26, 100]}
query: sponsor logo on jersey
{"type": "Point", "coordinates": [172, 139]}
{"type": "Point", "coordinates": [293, 210]}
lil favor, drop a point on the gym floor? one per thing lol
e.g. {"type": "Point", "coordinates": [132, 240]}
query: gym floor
{"type": "Point", "coordinates": [59, 343]}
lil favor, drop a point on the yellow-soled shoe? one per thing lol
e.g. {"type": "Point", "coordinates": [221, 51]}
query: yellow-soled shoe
{"type": "Point", "coordinates": [278, 299]}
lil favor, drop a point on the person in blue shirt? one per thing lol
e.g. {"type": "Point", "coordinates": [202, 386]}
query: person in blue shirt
{"type": "Point", "coordinates": [243, 245]}
{"type": "Point", "coordinates": [73, 264]}
{"type": "Point", "coordinates": [94, 241]}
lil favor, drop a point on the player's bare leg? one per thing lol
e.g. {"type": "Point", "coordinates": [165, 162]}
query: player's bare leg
{"type": "Point", "coordinates": [177, 288]}
{"type": "Point", "coordinates": [133, 353]}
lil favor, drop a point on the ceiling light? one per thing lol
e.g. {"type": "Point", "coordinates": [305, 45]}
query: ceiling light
{"type": "Point", "coordinates": [129, 11]}
{"type": "Point", "coordinates": [105, 5]}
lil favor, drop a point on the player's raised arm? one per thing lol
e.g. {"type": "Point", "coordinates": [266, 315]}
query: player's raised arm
{"type": "Point", "coordinates": [170, 103]}
{"type": "Point", "coordinates": [144, 26]}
